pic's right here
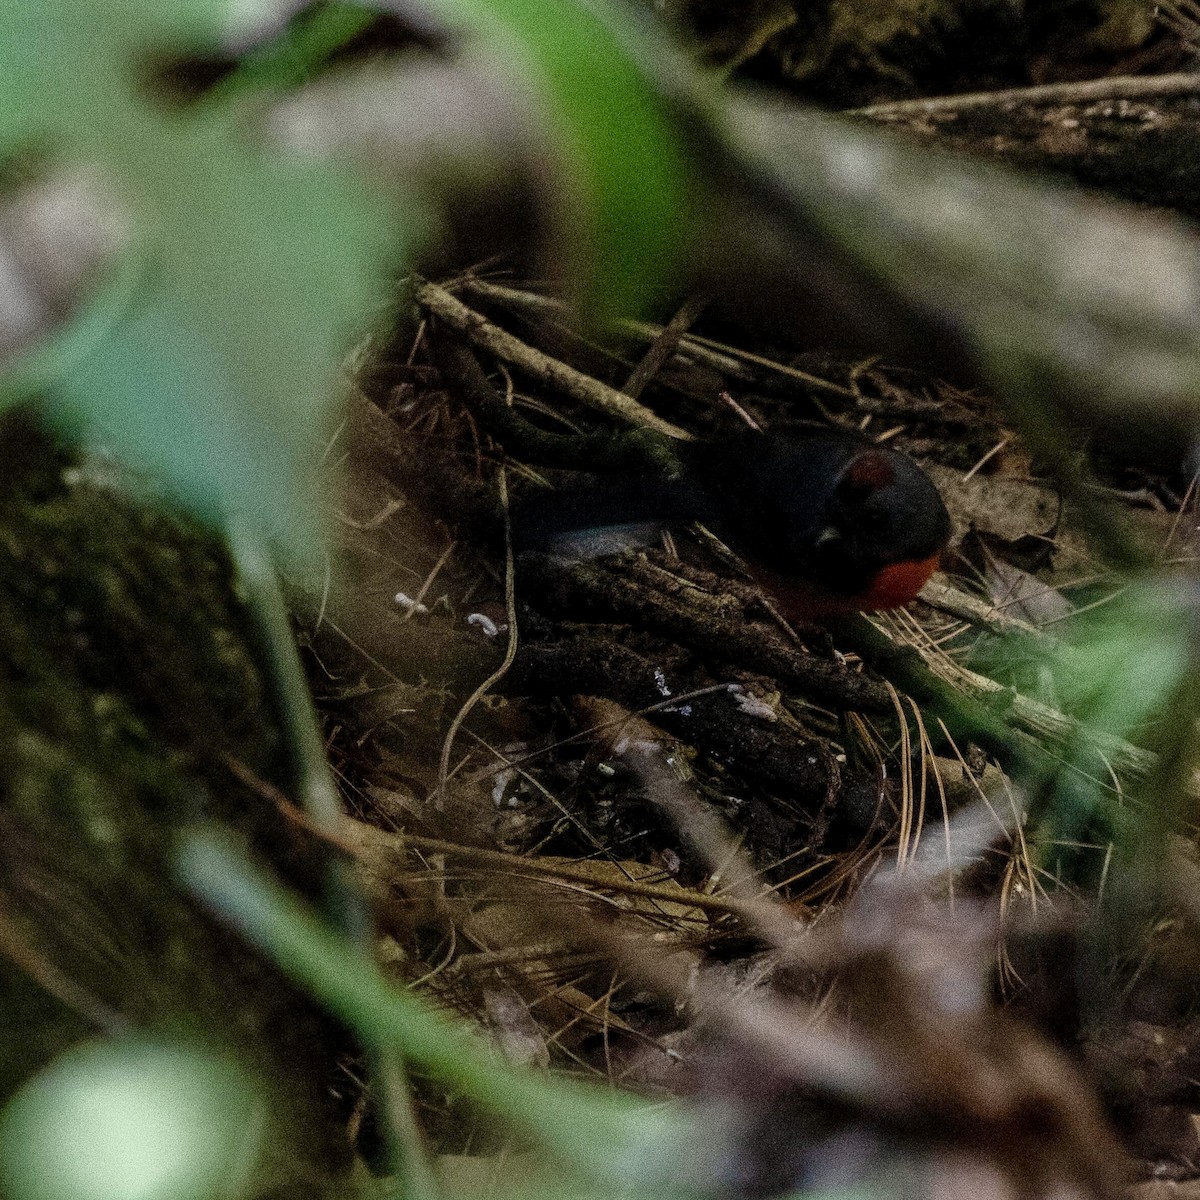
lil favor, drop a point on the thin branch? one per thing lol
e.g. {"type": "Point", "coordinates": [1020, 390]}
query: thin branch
{"type": "Point", "coordinates": [321, 803]}
{"type": "Point", "coordinates": [547, 370]}
{"type": "Point", "coordinates": [725, 359]}
{"type": "Point", "coordinates": [1124, 87]}
{"type": "Point", "coordinates": [510, 653]}
{"type": "Point", "coordinates": [664, 345]}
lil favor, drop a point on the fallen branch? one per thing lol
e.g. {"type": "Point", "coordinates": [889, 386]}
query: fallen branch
{"type": "Point", "coordinates": [1131, 136]}
{"type": "Point", "coordinates": [549, 371]}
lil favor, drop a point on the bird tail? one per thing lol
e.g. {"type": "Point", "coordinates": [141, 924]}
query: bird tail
{"type": "Point", "coordinates": [603, 515]}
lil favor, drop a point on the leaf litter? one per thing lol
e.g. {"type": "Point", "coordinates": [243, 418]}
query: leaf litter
{"type": "Point", "coordinates": [800, 896]}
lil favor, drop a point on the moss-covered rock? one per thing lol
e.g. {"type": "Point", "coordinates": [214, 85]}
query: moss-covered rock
{"type": "Point", "coordinates": [131, 704]}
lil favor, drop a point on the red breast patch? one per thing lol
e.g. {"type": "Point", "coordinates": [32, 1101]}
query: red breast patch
{"type": "Point", "coordinates": [897, 584]}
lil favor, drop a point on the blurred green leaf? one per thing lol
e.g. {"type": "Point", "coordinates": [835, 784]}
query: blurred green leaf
{"type": "Point", "coordinates": [254, 268]}
{"type": "Point", "coordinates": [292, 57]}
{"type": "Point", "coordinates": [134, 1119]}
{"type": "Point", "coordinates": [216, 372]}
{"type": "Point", "coordinates": [1128, 660]}
{"type": "Point", "coordinates": [1128, 674]}
{"type": "Point", "coordinates": [610, 1136]}
{"type": "Point", "coordinates": [628, 172]}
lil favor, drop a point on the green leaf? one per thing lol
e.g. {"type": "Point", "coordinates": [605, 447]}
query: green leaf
{"type": "Point", "coordinates": [255, 268]}
{"type": "Point", "coordinates": [1128, 674]}
{"type": "Point", "coordinates": [608, 1135]}
{"type": "Point", "coordinates": [133, 1119]}
{"type": "Point", "coordinates": [619, 138]}
{"type": "Point", "coordinates": [1129, 659]}
{"type": "Point", "coordinates": [216, 373]}
{"type": "Point", "coordinates": [291, 58]}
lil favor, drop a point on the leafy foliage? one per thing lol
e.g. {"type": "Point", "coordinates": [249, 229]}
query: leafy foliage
{"type": "Point", "coordinates": [251, 270]}
{"type": "Point", "coordinates": [628, 173]}
{"type": "Point", "coordinates": [209, 354]}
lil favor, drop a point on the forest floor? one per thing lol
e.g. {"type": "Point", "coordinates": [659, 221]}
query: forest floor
{"type": "Point", "coordinates": [656, 834]}
{"type": "Point", "coordinates": [854, 886]}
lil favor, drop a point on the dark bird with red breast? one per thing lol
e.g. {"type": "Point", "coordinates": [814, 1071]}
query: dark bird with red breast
{"type": "Point", "coordinates": [827, 522]}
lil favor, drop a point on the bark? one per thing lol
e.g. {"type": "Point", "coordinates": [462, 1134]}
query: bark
{"type": "Point", "coordinates": [1133, 137]}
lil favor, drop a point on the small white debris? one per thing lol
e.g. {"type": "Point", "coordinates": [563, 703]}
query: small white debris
{"type": "Point", "coordinates": [752, 706]}
{"type": "Point", "coordinates": [413, 606]}
{"type": "Point", "coordinates": [503, 779]}
{"type": "Point", "coordinates": [660, 682]}
{"type": "Point", "coordinates": [485, 624]}
{"type": "Point", "coordinates": [606, 770]}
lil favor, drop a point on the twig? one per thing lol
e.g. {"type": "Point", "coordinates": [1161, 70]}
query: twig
{"type": "Point", "coordinates": [694, 609]}
{"type": "Point", "coordinates": [639, 449]}
{"type": "Point", "coordinates": [741, 413]}
{"type": "Point", "coordinates": [793, 374]}
{"type": "Point", "coordinates": [723, 358]}
{"type": "Point", "coordinates": [549, 371]}
{"type": "Point", "coordinates": [981, 614]}
{"type": "Point", "coordinates": [986, 459]}
{"type": "Point", "coordinates": [56, 983]}
{"type": "Point", "coordinates": [1127, 87]}
{"type": "Point", "coordinates": [510, 604]}
{"type": "Point", "coordinates": [416, 605]}
{"type": "Point", "coordinates": [671, 702]}
{"type": "Point", "coordinates": [517, 864]}
{"type": "Point", "coordinates": [652, 756]}
{"type": "Point", "coordinates": [664, 345]}
{"type": "Point", "coordinates": [1000, 720]}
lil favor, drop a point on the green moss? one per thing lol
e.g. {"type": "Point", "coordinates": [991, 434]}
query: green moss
{"type": "Point", "coordinates": [128, 687]}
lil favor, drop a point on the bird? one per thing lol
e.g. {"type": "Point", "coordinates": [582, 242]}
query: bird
{"type": "Point", "coordinates": [827, 522]}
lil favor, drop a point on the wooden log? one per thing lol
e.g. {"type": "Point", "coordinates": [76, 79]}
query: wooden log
{"type": "Point", "coordinates": [1135, 137]}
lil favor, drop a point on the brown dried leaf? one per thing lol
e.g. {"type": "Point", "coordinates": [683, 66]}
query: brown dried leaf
{"type": "Point", "coordinates": [513, 1028]}
{"type": "Point", "coordinates": [1019, 594]}
{"type": "Point", "coordinates": [1008, 509]}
